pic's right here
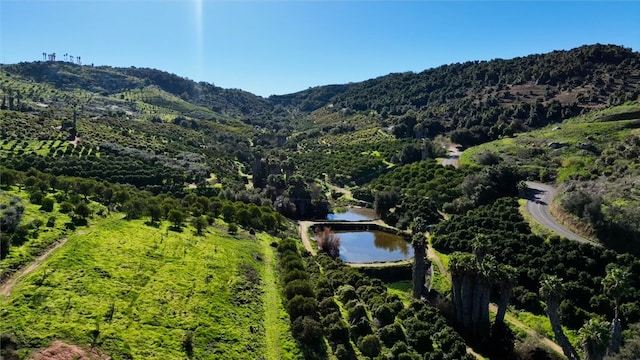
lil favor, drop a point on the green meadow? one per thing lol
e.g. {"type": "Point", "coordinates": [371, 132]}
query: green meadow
{"type": "Point", "coordinates": [136, 291]}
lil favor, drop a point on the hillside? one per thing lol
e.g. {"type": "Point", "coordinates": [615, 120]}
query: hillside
{"type": "Point", "coordinates": [594, 160]}
{"type": "Point", "coordinates": [478, 101]}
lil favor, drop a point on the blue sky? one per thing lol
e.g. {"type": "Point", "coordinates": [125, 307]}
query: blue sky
{"type": "Point", "coordinates": [278, 47]}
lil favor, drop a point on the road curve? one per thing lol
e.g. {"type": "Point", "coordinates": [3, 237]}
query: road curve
{"type": "Point", "coordinates": [453, 157]}
{"type": "Point", "coordinates": [538, 207]}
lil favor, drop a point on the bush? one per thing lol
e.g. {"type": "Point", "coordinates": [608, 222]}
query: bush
{"type": "Point", "coordinates": [357, 312]}
{"type": "Point", "coordinates": [488, 158]}
{"type": "Point", "coordinates": [232, 228]}
{"type": "Point", "coordinates": [298, 287]}
{"type": "Point", "coordinates": [346, 293]}
{"type": "Point", "coordinates": [51, 222]}
{"type": "Point", "coordinates": [391, 334]}
{"type": "Point", "coordinates": [36, 197]}
{"type": "Point", "coordinates": [47, 204]}
{"type": "Point", "coordinates": [384, 315]}
{"type": "Point", "coordinates": [302, 306]}
{"type": "Point", "coordinates": [369, 345]}
{"type": "Point", "coordinates": [308, 331]}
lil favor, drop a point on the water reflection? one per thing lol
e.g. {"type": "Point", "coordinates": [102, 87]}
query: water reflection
{"type": "Point", "coordinates": [354, 214]}
{"type": "Point", "coordinates": [373, 246]}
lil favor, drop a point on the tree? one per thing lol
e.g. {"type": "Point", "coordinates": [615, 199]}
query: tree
{"type": "Point", "coordinates": [176, 217]}
{"type": "Point", "coordinates": [199, 222]}
{"type": "Point", "coordinates": [552, 291]}
{"type": "Point", "coordinates": [507, 276]}
{"type": "Point", "coordinates": [82, 210]}
{"type": "Point", "coordinates": [418, 242]}
{"type": "Point", "coordinates": [616, 284]}
{"type": "Point", "coordinates": [369, 345]}
{"type": "Point", "coordinates": [594, 338]}
{"type": "Point", "coordinates": [47, 204]}
{"type": "Point", "coordinates": [154, 210]}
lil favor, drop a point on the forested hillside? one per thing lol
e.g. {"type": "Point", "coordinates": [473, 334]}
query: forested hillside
{"type": "Point", "coordinates": [478, 101]}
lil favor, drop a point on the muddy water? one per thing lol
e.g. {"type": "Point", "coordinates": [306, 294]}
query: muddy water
{"type": "Point", "coordinates": [373, 246]}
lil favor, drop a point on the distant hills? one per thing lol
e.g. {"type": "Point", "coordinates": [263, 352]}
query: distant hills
{"type": "Point", "coordinates": [473, 102]}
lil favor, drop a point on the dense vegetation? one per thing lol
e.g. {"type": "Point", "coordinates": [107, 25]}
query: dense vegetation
{"type": "Point", "coordinates": [479, 101]}
{"type": "Point", "coordinates": [508, 238]}
{"type": "Point", "coordinates": [594, 159]}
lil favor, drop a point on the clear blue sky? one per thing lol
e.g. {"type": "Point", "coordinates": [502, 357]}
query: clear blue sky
{"type": "Point", "coordinates": [278, 47]}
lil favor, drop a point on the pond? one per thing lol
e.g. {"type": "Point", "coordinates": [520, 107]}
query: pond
{"type": "Point", "coordinates": [373, 246]}
{"type": "Point", "coordinates": [354, 214]}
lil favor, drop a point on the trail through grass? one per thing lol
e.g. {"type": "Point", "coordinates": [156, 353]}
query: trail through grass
{"type": "Point", "coordinates": [136, 291]}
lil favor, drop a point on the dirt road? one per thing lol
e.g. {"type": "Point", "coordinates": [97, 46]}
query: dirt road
{"type": "Point", "coordinates": [8, 284]}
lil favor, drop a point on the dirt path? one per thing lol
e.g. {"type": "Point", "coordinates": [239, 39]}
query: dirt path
{"type": "Point", "coordinates": [453, 157]}
{"type": "Point", "coordinates": [304, 235]}
{"type": "Point", "coordinates": [433, 257]}
{"type": "Point", "coordinates": [8, 284]}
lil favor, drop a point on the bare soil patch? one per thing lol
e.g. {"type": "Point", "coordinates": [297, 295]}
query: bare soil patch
{"type": "Point", "coordinates": [61, 351]}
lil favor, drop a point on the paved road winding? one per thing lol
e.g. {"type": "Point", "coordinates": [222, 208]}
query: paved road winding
{"type": "Point", "coordinates": [538, 207]}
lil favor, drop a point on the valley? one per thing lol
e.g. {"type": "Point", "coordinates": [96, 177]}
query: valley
{"type": "Point", "coordinates": [149, 216]}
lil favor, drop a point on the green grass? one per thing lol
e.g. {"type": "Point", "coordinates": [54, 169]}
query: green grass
{"type": "Point", "coordinates": [38, 239]}
{"type": "Point", "coordinates": [532, 147]}
{"type": "Point", "coordinates": [160, 284]}
{"type": "Point", "coordinates": [402, 289]}
{"type": "Point", "coordinates": [541, 324]}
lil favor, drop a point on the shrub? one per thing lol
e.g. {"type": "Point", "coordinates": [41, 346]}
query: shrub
{"type": "Point", "coordinates": [232, 228]}
{"type": "Point", "coordinates": [328, 306]}
{"type": "Point", "coordinates": [357, 312]}
{"type": "Point", "coordinates": [308, 331]}
{"type": "Point", "coordinates": [369, 345]}
{"type": "Point", "coordinates": [302, 306]}
{"type": "Point", "coordinates": [391, 334]}
{"type": "Point", "coordinates": [384, 315]}
{"type": "Point", "coordinates": [298, 287]}
{"type": "Point", "coordinates": [346, 293]}
{"type": "Point", "coordinates": [47, 204]}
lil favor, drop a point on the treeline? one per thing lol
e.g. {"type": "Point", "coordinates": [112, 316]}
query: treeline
{"type": "Point", "coordinates": [581, 266]}
{"type": "Point", "coordinates": [73, 196]}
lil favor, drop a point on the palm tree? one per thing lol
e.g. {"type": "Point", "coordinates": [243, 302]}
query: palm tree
{"type": "Point", "coordinates": [594, 338]}
{"type": "Point", "coordinates": [487, 275]}
{"type": "Point", "coordinates": [455, 269]}
{"type": "Point", "coordinates": [616, 284]}
{"type": "Point", "coordinates": [469, 268]}
{"type": "Point", "coordinates": [419, 253]}
{"type": "Point", "coordinates": [507, 276]}
{"type": "Point", "coordinates": [552, 290]}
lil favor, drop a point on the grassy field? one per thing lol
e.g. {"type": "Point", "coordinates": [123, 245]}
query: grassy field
{"type": "Point", "coordinates": [136, 291]}
{"type": "Point", "coordinates": [572, 158]}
